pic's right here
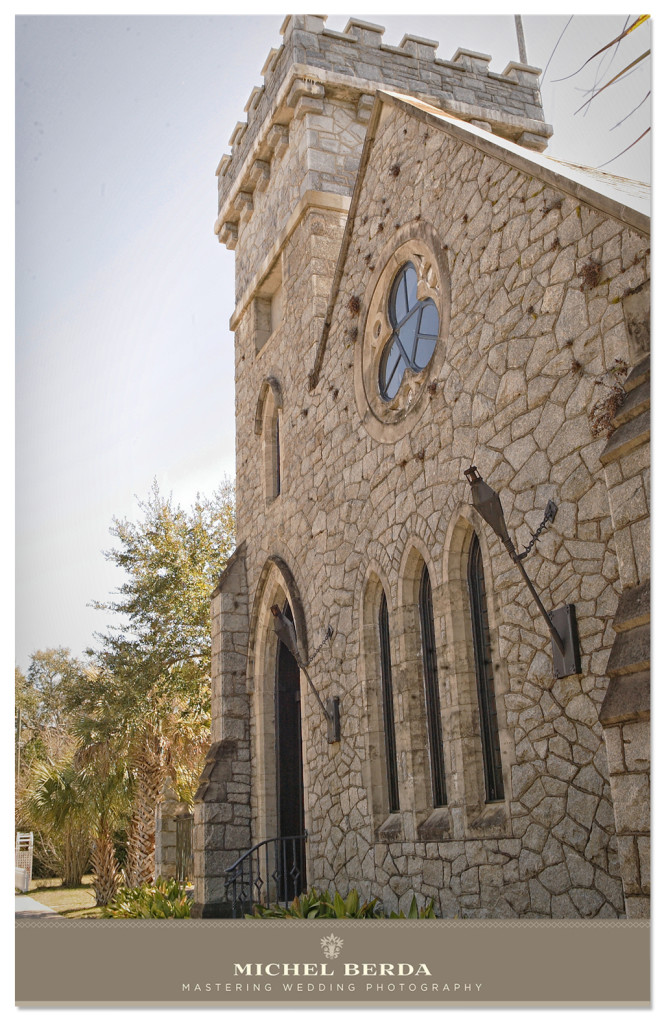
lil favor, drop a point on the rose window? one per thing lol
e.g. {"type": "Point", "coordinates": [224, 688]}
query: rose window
{"type": "Point", "coordinates": [415, 325]}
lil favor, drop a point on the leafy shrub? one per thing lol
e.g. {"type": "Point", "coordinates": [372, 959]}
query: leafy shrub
{"type": "Point", "coordinates": [413, 912]}
{"type": "Point", "coordinates": [317, 905]}
{"type": "Point", "coordinates": [164, 898]}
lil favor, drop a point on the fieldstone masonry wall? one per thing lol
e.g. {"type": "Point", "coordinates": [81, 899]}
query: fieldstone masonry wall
{"type": "Point", "coordinates": [537, 274]}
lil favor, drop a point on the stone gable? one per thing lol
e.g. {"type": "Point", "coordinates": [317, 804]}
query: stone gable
{"type": "Point", "coordinates": [532, 279]}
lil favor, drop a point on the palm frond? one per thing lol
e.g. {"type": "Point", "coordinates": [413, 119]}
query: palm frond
{"type": "Point", "coordinates": [636, 24]}
{"type": "Point", "coordinates": [614, 79]}
{"type": "Point", "coordinates": [607, 162]}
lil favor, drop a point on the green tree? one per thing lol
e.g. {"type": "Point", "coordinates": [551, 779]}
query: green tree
{"type": "Point", "coordinates": [44, 740]}
{"type": "Point", "coordinates": [25, 702]}
{"type": "Point", "coordinates": [104, 779]}
{"type": "Point", "coordinates": [43, 721]}
{"type": "Point", "coordinates": [152, 688]}
{"type": "Point", "coordinates": [57, 802]}
{"type": "Point", "coordinates": [24, 695]}
{"type": "Point", "coordinates": [77, 804]}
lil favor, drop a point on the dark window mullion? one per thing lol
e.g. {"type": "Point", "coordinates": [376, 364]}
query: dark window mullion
{"type": "Point", "coordinates": [388, 709]}
{"type": "Point", "coordinates": [396, 340]}
{"type": "Point", "coordinates": [418, 314]}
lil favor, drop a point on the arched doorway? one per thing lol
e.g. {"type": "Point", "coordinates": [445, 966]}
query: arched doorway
{"type": "Point", "coordinates": [290, 785]}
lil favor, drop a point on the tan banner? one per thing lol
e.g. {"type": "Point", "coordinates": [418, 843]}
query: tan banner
{"type": "Point", "coordinates": [240, 963]}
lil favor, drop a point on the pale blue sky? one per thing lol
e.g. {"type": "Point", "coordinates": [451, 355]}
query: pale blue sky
{"type": "Point", "coordinates": [124, 360]}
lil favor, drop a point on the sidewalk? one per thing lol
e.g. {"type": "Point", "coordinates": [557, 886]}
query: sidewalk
{"type": "Point", "coordinates": [27, 907]}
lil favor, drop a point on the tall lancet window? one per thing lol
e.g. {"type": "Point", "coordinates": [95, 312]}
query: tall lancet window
{"type": "Point", "coordinates": [388, 708]}
{"type": "Point", "coordinates": [431, 693]}
{"type": "Point", "coordinates": [276, 455]}
{"type": "Point", "coordinates": [493, 773]}
{"type": "Point", "coordinates": [272, 445]}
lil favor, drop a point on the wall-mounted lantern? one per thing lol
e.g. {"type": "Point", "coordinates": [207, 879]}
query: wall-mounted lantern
{"type": "Point", "coordinates": [285, 630]}
{"type": "Point", "coordinates": [561, 622]}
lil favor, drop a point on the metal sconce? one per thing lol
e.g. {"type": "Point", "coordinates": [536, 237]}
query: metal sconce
{"type": "Point", "coordinates": [561, 622]}
{"type": "Point", "coordinates": [285, 630]}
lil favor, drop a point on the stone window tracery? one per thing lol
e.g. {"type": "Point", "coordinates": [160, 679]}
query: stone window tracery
{"type": "Point", "coordinates": [415, 324]}
{"type": "Point", "coordinates": [403, 332]}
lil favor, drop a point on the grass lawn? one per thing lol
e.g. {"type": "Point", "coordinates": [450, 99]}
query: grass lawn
{"type": "Point", "coordinates": [79, 902]}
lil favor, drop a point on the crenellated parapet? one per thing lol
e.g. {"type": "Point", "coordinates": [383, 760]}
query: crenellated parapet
{"type": "Point", "coordinates": [316, 66]}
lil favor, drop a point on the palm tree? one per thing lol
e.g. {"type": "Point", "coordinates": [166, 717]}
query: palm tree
{"type": "Point", "coordinates": [147, 739]}
{"type": "Point", "coordinates": [57, 802]}
{"type": "Point", "coordinates": [169, 743]}
{"type": "Point", "coordinates": [146, 758]}
{"type": "Point", "coordinates": [105, 778]}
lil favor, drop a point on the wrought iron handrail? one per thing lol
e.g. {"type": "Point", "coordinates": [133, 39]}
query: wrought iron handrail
{"type": "Point", "coordinates": [270, 872]}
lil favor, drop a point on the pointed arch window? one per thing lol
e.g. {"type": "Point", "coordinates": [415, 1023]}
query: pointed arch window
{"type": "Point", "coordinates": [268, 424]}
{"type": "Point", "coordinates": [493, 773]}
{"type": "Point", "coordinates": [431, 692]}
{"type": "Point", "coordinates": [388, 708]}
{"type": "Point", "coordinates": [276, 456]}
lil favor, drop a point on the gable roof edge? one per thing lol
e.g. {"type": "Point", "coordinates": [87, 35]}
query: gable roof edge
{"type": "Point", "coordinates": [493, 146]}
{"type": "Point", "coordinates": [639, 222]}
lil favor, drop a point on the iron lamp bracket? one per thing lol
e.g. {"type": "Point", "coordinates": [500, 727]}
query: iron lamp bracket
{"type": "Point", "coordinates": [285, 630]}
{"type": "Point", "coordinates": [549, 516]}
{"type": "Point", "coordinates": [332, 705]}
{"type": "Point", "coordinates": [561, 622]}
{"type": "Point", "coordinates": [568, 661]}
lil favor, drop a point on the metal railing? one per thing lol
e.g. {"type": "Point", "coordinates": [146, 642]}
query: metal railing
{"type": "Point", "coordinates": [272, 871]}
{"type": "Point", "coordinates": [184, 854]}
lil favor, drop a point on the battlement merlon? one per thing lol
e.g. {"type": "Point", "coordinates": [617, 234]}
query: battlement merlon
{"type": "Point", "coordinates": [314, 62]}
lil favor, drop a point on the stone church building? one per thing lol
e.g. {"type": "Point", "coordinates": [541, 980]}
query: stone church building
{"type": "Point", "coordinates": [419, 291]}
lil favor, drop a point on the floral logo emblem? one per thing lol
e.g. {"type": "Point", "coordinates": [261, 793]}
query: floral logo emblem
{"type": "Point", "coordinates": [331, 946]}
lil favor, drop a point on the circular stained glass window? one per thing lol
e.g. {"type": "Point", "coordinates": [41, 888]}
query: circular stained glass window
{"type": "Point", "coordinates": [415, 325]}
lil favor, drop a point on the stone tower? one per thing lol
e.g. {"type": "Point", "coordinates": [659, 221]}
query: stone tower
{"type": "Point", "coordinates": [284, 194]}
